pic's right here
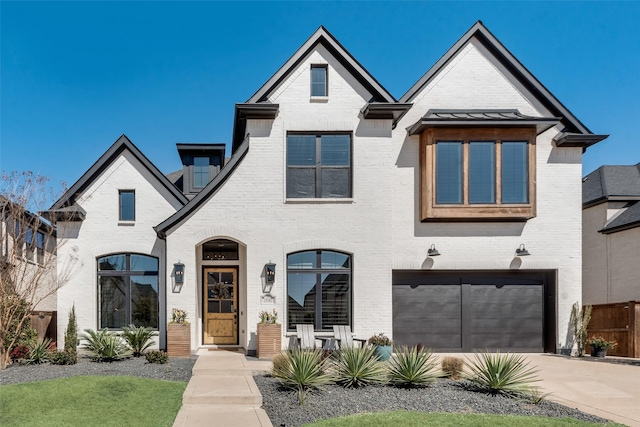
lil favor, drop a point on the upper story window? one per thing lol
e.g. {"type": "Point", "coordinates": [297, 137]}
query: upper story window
{"type": "Point", "coordinates": [318, 289]}
{"type": "Point", "coordinates": [200, 171]}
{"type": "Point", "coordinates": [127, 206]}
{"type": "Point", "coordinates": [318, 166]}
{"type": "Point", "coordinates": [319, 80]}
{"type": "Point", "coordinates": [478, 173]}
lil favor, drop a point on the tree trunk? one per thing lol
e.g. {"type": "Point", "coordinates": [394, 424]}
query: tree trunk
{"type": "Point", "coordinates": [5, 358]}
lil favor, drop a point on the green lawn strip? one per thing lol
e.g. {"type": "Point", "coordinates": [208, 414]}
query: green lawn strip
{"type": "Point", "coordinates": [416, 419]}
{"type": "Point", "coordinates": [91, 400]}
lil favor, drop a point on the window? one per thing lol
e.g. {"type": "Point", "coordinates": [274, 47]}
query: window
{"type": "Point", "coordinates": [319, 166]}
{"type": "Point", "coordinates": [127, 205]}
{"type": "Point", "coordinates": [478, 173]}
{"type": "Point", "coordinates": [200, 171]}
{"type": "Point", "coordinates": [318, 289]}
{"type": "Point", "coordinates": [40, 246]}
{"type": "Point", "coordinates": [319, 80]}
{"type": "Point", "coordinates": [128, 291]}
{"type": "Point", "coordinates": [29, 244]}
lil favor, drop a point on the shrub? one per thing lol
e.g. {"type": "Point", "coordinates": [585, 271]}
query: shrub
{"type": "Point", "coordinates": [139, 339]}
{"type": "Point", "coordinates": [63, 357]}
{"type": "Point", "coordinates": [105, 346]}
{"type": "Point", "coordinates": [71, 332]}
{"type": "Point", "coordinates": [279, 361]}
{"type": "Point", "coordinates": [380, 339]}
{"type": "Point", "coordinates": [38, 352]}
{"type": "Point", "coordinates": [178, 316]}
{"type": "Point", "coordinates": [412, 367]}
{"type": "Point", "coordinates": [357, 367]}
{"type": "Point", "coordinates": [452, 367]}
{"type": "Point", "coordinates": [268, 318]}
{"type": "Point", "coordinates": [157, 356]}
{"type": "Point", "coordinates": [19, 352]}
{"type": "Point", "coordinates": [600, 342]}
{"type": "Point", "coordinates": [304, 371]}
{"type": "Point", "coordinates": [506, 374]}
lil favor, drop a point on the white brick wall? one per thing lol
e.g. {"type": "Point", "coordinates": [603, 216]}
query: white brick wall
{"type": "Point", "coordinates": [100, 234]}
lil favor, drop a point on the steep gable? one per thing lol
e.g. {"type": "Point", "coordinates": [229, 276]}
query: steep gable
{"type": "Point", "coordinates": [65, 206]}
{"type": "Point", "coordinates": [480, 38]}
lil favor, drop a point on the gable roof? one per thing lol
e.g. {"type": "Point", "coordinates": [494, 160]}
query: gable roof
{"type": "Point", "coordinates": [519, 72]}
{"type": "Point", "coordinates": [123, 143]}
{"type": "Point", "coordinates": [630, 218]}
{"type": "Point", "coordinates": [613, 183]}
{"type": "Point", "coordinates": [323, 37]}
{"type": "Point", "coordinates": [204, 194]}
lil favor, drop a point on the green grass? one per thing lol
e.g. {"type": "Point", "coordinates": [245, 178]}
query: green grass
{"type": "Point", "coordinates": [416, 419]}
{"type": "Point", "coordinates": [91, 401]}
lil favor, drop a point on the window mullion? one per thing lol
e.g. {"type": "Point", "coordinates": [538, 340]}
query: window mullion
{"type": "Point", "coordinates": [318, 165]}
{"type": "Point", "coordinates": [498, 172]}
{"type": "Point", "coordinates": [318, 324]}
{"type": "Point", "coordinates": [465, 172]}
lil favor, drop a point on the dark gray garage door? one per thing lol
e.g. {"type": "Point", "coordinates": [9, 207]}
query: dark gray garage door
{"type": "Point", "coordinates": [451, 312]}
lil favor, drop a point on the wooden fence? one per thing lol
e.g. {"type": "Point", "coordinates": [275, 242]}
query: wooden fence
{"type": "Point", "coordinates": [45, 322]}
{"type": "Point", "coordinates": [619, 322]}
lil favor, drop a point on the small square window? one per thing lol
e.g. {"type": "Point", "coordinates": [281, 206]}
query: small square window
{"type": "Point", "coordinates": [127, 205]}
{"type": "Point", "coordinates": [319, 80]}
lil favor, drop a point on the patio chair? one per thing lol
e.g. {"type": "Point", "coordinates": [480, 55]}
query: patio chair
{"type": "Point", "coordinates": [306, 336]}
{"type": "Point", "coordinates": [345, 338]}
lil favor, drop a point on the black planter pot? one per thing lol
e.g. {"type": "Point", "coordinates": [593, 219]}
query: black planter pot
{"type": "Point", "coordinates": [598, 351]}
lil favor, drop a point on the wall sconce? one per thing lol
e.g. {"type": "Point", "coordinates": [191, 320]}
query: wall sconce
{"type": "Point", "coordinates": [178, 276]}
{"type": "Point", "coordinates": [433, 251]}
{"type": "Point", "coordinates": [269, 277]}
{"type": "Point", "coordinates": [522, 251]}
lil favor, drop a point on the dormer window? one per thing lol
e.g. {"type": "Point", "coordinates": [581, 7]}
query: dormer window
{"type": "Point", "coordinates": [319, 80]}
{"type": "Point", "coordinates": [200, 171]}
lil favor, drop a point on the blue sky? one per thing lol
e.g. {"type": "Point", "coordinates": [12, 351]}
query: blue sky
{"type": "Point", "coordinates": [77, 75]}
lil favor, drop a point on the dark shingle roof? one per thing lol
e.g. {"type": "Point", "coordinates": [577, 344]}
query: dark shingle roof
{"type": "Point", "coordinates": [630, 218]}
{"type": "Point", "coordinates": [615, 183]}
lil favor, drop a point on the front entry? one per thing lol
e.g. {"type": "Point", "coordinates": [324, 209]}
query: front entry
{"type": "Point", "coordinates": [220, 306]}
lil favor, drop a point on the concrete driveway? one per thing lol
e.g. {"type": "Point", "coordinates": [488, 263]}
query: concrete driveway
{"type": "Point", "coordinates": [608, 390]}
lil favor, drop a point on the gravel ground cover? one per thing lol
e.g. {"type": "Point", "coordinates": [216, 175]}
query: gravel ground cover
{"type": "Point", "coordinates": [444, 396]}
{"type": "Point", "coordinates": [177, 369]}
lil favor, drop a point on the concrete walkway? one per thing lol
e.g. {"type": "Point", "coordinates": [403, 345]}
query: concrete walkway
{"type": "Point", "coordinates": [222, 392]}
{"type": "Point", "coordinates": [608, 390]}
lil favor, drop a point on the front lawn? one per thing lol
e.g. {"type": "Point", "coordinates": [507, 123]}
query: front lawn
{"type": "Point", "coordinates": [91, 400]}
{"type": "Point", "coordinates": [418, 419]}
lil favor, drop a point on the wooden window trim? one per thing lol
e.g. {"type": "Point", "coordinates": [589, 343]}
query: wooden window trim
{"type": "Point", "coordinates": [430, 211]}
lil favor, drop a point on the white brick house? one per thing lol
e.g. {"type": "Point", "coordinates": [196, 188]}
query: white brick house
{"type": "Point", "coordinates": [345, 189]}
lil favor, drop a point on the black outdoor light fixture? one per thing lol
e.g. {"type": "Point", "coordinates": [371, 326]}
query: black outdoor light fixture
{"type": "Point", "coordinates": [433, 251]}
{"type": "Point", "coordinates": [270, 272]}
{"type": "Point", "coordinates": [522, 251]}
{"type": "Point", "coordinates": [178, 271]}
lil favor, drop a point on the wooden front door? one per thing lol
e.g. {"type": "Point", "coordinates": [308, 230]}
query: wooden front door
{"type": "Point", "coordinates": [220, 306]}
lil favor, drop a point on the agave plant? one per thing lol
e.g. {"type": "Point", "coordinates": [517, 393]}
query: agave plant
{"type": "Point", "coordinates": [303, 371]}
{"type": "Point", "coordinates": [356, 367]}
{"type": "Point", "coordinates": [138, 338]}
{"type": "Point", "coordinates": [105, 346]}
{"type": "Point", "coordinates": [413, 367]}
{"type": "Point", "coordinates": [38, 352]}
{"type": "Point", "coordinates": [506, 374]}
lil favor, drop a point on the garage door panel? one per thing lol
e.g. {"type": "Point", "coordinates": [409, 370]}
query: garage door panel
{"type": "Point", "coordinates": [428, 315]}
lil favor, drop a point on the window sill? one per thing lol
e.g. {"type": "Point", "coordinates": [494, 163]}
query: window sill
{"type": "Point", "coordinates": [345, 200]}
{"type": "Point", "coordinates": [479, 213]}
{"type": "Point", "coordinates": [319, 99]}
{"type": "Point", "coordinates": [126, 223]}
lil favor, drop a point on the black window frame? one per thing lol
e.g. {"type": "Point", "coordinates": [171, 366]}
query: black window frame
{"type": "Point", "coordinates": [126, 274]}
{"type": "Point", "coordinates": [121, 193]}
{"type": "Point", "coordinates": [313, 83]}
{"type": "Point", "coordinates": [196, 171]}
{"type": "Point", "coordinates": [319, 271]}
{"type": "Point", "coordinates": [319, 167]}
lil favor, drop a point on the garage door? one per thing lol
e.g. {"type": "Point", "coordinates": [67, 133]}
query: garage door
{"type": "Point", "coordinates": [450, 312]}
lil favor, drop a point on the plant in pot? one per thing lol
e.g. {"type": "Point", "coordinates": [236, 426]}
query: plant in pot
{"type": "Point", "coordinates": [599, 346]}
{"type": "Point", "coordinates": [179, 334]}
{"type": "Point", "coordinates": [269, 334]}
{"type": "Point", "coordinates": [382, 346]}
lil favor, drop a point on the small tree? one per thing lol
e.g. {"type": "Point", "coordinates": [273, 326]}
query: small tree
{"type": "Point", "coordinates": [580, 319]}
{"type": "Point", "coordinates": [29, 272]}
{"type": "Point", "coordinates": [71, 333]}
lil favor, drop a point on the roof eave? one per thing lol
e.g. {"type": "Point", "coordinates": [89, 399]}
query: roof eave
{"type": "Point", "coordinates": [624, 227]}
{"type": "Point", "coordinates": [385, 111]}
{"type": "Point", "coordinates": [569, 139]}
{"type": "Point", "coordinates": [245, 111]}
{"type": "Point", "coordinates": [420, 126]}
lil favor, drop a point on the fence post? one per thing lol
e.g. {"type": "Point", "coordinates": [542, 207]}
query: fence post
{"type": "Point", "coordinates": [634, 329]}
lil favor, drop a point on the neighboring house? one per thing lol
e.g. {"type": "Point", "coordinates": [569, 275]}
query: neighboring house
{"type": "Point", "coordinates": [611, 235]}
{"type": "Point", "coordinates": [344, 192]}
